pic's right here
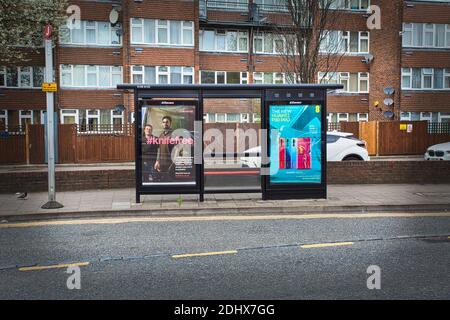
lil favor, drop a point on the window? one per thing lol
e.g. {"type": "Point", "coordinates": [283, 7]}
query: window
{"type": "Point", "coordinates": [269, 77]}
{"type": "Point", "coordinates": [223, 41]}
{"type": "Point", "coordinates": [162, 32]}
{"type": "Point", "coordinates": [407, 34]}
{"type": "Point", "coordinates": [363, 82]}
{"type": "Point", "coordinates": [92, 119]}
{"type": "Point", "coordinates": [218, 77]}
{"type": "Point", "coordinates": [345, 41]}
{"type": "Point", "coordinates": [362, 117]}
{"type": "Point", "coordinates": [352, 82]}
{"type": "Point", "coordinates": [444, 117]}
{"type": "Point", "coordinates": [272, 5]}
{"type": "Point", "coordinates": [427, 35]}
{"type": "Point", "coordinates": [425, 116]}
{"type": "Point", "coordinates": [69, 116]}
{"type": "Point", "coordinates": [232, 5]}
{"type": "Point", "coordinates": [91, 33]}
{"type": "Point", "coordinates": [82, 76]}
{"type": "Point", "coordinates": [425, 79]}
{"type": "Point", "coordinates": [350, 4]}
{"type": "Point", "coordinates": [405, 116]}
{"type": "Point", "coordinates": [25, 117]}
{"type": "Point", "coordinates": [342, 117]}
{"type": "Point", "coordinates": [21, 77]}
{"type": "Point", "coordinates": [406, 78]}
{"type": "Point", "coordinates": [117, 120]}
{"type": "Point", "coordinates": [162, 75]}
{"type": "Point", "coordinates": [269, 43]}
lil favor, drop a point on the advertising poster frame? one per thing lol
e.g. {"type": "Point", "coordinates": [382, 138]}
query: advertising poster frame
{"type": "Point", "coordinates": [143, 187]}
{"type": "Point", "coordinates": [300, 190]}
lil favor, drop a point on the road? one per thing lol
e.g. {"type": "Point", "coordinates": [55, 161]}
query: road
{"type": "Point", "coordinates": [221, 258]}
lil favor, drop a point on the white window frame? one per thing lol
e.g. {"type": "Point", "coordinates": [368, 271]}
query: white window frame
{"type": "Point", "coordinates": [406, 72]}
{"type": "Point", "coordinates": [185, 71]}
{"type": "Point", "coordinates": [330, 117]}
{"type": "Point", "coordinates": [426, 118]}
{"type": "Point", "coordinates": [74, 113]}
{"type": "Point", "coordinates": [256, 117]}
{"type": "Point", "coordinates": [405, 116]}
{"type": "Point", "coordinates": [86, 86]}
{"type": "Point", "coordinates": [363, 78]}
{"type": "Point", "coordinates": [407, 28]}
{"type": "Point", "coordinates": [95, 27]}
{"type": "Point", "coordinates": [3, 74]}
{"type": "Point", "coordinates": [441, 116]}
{"type": "Point", "coordinates": [223, 33]}
{"type": "Point", "coordinates": [243, 76]}
{"type": "Point", "coordinates": [346, 117]}
{"type": "Point", "coordinates": [427, 28]}
{"type": "Point", "coordinates": [115, 116]}
{"type": "Point", "coordinates": [362, 117]}
{"type": "Point", "coordinates": [23, 116]}
{"type": "Point", "coordinates": [245, 118]}
{"type": "Point", "coordinates": [88, 117]}
{"type": "Point", "coordinates": [159, 24]}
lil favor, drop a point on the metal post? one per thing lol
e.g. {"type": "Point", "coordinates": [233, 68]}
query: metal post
{"type": "Point", "coordinates": [52, 203]}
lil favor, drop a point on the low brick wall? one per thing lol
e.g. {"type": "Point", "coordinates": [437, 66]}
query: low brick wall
{"type": "Point", "coordinates": [349, 172]}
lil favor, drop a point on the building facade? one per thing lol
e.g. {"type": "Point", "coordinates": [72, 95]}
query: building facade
{"type": "Point", "coordinates": [232, 41]}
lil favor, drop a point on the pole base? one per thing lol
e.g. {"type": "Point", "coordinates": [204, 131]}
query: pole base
{"type": "Point", "coordinates": [52, 205]}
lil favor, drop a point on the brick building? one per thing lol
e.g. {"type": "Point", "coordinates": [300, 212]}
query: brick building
{"type": "Point", "coordinates": [230, 41]}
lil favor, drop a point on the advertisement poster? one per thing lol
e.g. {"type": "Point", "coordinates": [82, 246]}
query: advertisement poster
{"type": "Point", "coordinates": [295, 148]}
{"type": "Point", "coordinates": [168, 145]}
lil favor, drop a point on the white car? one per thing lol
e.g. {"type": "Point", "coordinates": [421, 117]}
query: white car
{"type": "Point", "coordinates": [438, 152]}
{"type": "Point", "coordinates": [341, 146]}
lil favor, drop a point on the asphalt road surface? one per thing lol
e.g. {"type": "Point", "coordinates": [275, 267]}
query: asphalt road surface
{"type": "Point", "coordinates": [219, 258]}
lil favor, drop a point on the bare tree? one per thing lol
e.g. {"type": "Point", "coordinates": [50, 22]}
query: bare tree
{"type": "Point", "coordinates": [313, 43]}
{"type": "Point", "coordinates": [22, 23]}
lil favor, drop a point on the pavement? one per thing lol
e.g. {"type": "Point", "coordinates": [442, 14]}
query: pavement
{"type": "Point", "coordinates": [121, 202]}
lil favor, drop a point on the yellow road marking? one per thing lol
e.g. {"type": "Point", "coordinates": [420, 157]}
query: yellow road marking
{"type": "Point", "coordinates": [223, 218]}
{"type": "Point", "coordinates": [36, 268]}
{"type": "Point", "coordinates": [323, 245]}
{"type": "Point", "coordinates": [189, 255]}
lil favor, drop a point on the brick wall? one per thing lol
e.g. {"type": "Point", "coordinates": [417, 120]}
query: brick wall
{"type": "Point", "coordinates": [372, 172]}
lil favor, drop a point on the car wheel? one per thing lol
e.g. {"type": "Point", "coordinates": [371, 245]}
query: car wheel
{"type": "Point", "coordinates": [352, 158]}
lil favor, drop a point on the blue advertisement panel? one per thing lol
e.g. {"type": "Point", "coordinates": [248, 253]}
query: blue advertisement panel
{"type": "Point", "coordinates": [295, 144]}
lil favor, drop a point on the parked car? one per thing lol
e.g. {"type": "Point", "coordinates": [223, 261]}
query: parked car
{"type": "Point", "coordinates": [341, 146]}
{"type": "Point", "coordinates": [438, 152]}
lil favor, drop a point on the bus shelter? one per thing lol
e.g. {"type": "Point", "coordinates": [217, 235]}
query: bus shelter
{"type": "Point", "coordinates": [170, 148]}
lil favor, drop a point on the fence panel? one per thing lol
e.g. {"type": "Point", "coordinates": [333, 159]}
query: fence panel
{"type": "Point", "coordinates": [351, 127]}
{"type": "Point", "coordinates": [12, 146]}
{"type": "Point", "coordinates": [395, 139]}
{"type": "Point", "coordinates": [36, 142]}
{"type": "Point", "coordinates": [67, 134]}
{"type": "Point", "coordinates": [368, 133]}
{"type": "Point", "coordinates": [105, 144]}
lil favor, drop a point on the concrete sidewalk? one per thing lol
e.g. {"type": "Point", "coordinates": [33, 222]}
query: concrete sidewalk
{"type": "Point", "coordinates": [120, 202]}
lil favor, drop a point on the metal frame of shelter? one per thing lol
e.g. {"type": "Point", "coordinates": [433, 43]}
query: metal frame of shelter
{"type": "Point", "coordinates": [269, 95]}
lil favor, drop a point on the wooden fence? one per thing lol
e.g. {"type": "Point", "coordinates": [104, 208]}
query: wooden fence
{"type": "Point", "coordinates": [94, 144]}
{"type": "Point", "coordinates": [387, 138]}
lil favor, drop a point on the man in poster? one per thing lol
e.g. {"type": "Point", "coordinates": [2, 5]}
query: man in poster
{"type": "Point", "coordinates": [149, 153]}
{"type": "Point", "coordinates": [164, 164]}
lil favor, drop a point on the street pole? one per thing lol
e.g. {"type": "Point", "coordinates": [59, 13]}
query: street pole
{"type": "Point", "coordinates": [52, 203]}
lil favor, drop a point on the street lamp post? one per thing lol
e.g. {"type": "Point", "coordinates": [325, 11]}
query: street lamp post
{"type": "Point", "coordinates": [50, 87]}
